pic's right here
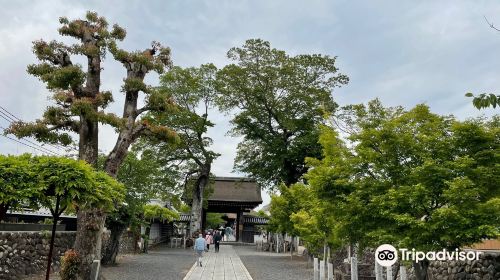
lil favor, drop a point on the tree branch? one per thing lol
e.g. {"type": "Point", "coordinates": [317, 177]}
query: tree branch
{"type": "Point", "coordinates": [491, 24]}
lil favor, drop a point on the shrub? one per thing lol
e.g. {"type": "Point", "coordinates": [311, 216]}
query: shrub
{"type": "Point", "coordinates": [69, 265]}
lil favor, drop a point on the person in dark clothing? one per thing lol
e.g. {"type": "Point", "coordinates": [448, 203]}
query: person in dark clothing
{"type": "Point", "coordinates": [217, 239]}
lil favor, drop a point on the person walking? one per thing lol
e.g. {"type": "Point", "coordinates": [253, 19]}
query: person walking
{"type": "Point", "coordinates": [217, 239]}
{"type": "Point", "coordinates": [199, 247]}
{"type": "Point", "coordinates": [229, 233]}
{"type": "Point", "coordinates": [222, 233]}
{"type": "Point", "coordinates": [208, 240]}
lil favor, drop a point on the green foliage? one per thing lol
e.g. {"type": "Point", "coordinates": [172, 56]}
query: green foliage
{"type": "Point", "coordinates": [412, 178]}
{"type": "Point", "coordinates": [37, 181]}
{"type": "Point", "coordinates": [76, 183]}
{"type": "Point", "coordinates": [214, 220]}
{"type": "Point", "coordinates": [484, 100]}
{"type": "Point", "coordinates": [17, 181]}
{"type": "Point", "coordinates": [76, 92]}
{"type": "Point", "coordinates": [192, 90]}
{"type": "Point", "coordinates": [280, 100]}
{"type": "Point", "coordinates": [161, 213]}
{"type": "Point", "coordinates": [144, 178]}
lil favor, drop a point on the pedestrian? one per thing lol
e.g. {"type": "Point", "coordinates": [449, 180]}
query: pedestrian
{"type": "Point", "coordinates": [229, 232]}
{"type": "Point", "coordinates": [217, 239]}
{"type": "Point", "coordinates": [199, 247]}
{"type": "Point", "coordinates": [208, 240]}
{"type": "Point", "coordinates": [222, 233]}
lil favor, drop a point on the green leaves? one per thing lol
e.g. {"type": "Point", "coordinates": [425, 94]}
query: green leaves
{"type": "Point", "coordinates": [159, 212]}
{"type": "Point", "coordinates": [36, 181]}
{"type": "Point", "coordinates": [280, 101]}
{"type": "Point", "coordinates": [484, 100]}
{"type": "Point", "coordinates": [410, 178]}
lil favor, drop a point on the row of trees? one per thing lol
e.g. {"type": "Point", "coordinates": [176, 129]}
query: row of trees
{"type": "Point", "coordinates": [278, 100]}
{"type": "Point", "coordinates": [409, 178]}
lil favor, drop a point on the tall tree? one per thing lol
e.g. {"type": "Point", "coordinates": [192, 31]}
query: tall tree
{"type": "Point", "coordinates": [280, 101]}
{"type": "Point", "coordinates": [80, 103]}
{"type": "Point", "coordinates": [414, 179]}
{"type": "Point", "coordinates": [144, 179]}
{"type": "Point", "coordinates": [192, 89]}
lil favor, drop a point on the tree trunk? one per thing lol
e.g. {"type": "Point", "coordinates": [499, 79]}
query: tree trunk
{"type": "Point", "coordinates": [90, 226]}
{"type": "Point", "coordinates": [3, 211]}
{"type": "Point", "coordinates": [111, 251]}
{"type": "Point", "coordinates": [146, 239]}
{"type": "Point", "coordinates": [197, 204]}
{"type": "Point", "coordinates": [90, 222]}
{"type": "Point", "coordinates": [52, 237]}
{"type": "Point", "coordinates": [421, 270]}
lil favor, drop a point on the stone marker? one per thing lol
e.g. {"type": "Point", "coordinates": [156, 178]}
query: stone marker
{"type": "Point", "coordinates": [94, 270]}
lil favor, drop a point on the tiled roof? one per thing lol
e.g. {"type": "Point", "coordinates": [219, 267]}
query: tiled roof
{"type": "Point", "coordinates": [235, 189]}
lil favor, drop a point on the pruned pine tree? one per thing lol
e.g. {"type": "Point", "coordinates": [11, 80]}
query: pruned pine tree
{"type": "Point", "coordinates": [80, 103]}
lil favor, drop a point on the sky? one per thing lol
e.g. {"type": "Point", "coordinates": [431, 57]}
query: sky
{"type": "Point", "coordinates": [402, 52]}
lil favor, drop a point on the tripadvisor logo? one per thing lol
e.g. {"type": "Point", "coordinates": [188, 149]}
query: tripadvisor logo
{"type": "Point", "coordinates": [387, 255]}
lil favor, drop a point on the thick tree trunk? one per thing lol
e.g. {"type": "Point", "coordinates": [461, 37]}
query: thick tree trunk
{"type": "Point", "coordinates": [197, 204]}
{"type": "Point", "coordinates": [90, 222]}
{"type": "Point", "coordinates": [112, 164]}
{"type": "Point", "coordinates": [421, 270]}
{"type": "Point", "coordinates": [111, 251]}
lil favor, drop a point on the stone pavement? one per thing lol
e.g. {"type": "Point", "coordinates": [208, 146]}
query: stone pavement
{"type": "Point", "coordinates": [162, 263]}
{"type": "Point", "coordinates": [225, 265]}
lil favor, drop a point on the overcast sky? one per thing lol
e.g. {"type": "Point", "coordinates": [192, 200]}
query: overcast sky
{"type": "Point", "coordinates": [403, 52]}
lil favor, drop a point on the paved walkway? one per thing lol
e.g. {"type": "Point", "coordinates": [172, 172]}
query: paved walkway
{"type": "Point", "coordinates": [225, 265]}
{"type": "Point", "coordinates": [162, 263]}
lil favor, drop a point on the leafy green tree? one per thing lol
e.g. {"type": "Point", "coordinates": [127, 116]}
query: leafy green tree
{"type": "Point", "coordinates": [152, 212]}
{"type": "Point", "coordinates": [279, 101]}
{"type": "Point", "coordinates": [192, 89]}
{"type": "Point", "coordinates": [59, 184]}
{"type": "Point", "coordinates": [144, 178]}
{"type": "Point", "coordinates": [80, 103]}
{"type": "Point", "coordinates": [214, 220]}
{"type": "Point", "coordinates": [417, 180]}
{"type": "Point", "coordinates": [484, 100]}
{"type": "Point", "coordinates": [17, 183]}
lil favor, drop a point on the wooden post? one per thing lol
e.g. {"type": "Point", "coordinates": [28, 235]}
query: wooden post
{"type": "Point", "coordinates": [316, 272]}
{"type": "Point", "coordinates": [402, 273]}
{"type": "Point", "coordinates": [389, 272]}
{"type": "Point", "coordinates": [354, 268]}
{"type": "Point", "coordinates": [238, 214]}
{"type": "Point", "coordinates": [330, 271]}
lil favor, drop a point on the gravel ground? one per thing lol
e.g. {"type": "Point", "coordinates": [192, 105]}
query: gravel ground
{"type": "Point", "coordinates": [161, 263]}
{"type": "Point", "coordinates": [272, 266]}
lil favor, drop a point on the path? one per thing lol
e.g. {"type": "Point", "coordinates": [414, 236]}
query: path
{"type": "Point", "coordinates": [273, 266]}
{"type": "Point", "coordinates": [225, 265]}
{"type": "Point", "coordinates": [162, 263]}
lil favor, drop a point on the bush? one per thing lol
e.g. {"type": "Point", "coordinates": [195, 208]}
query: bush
{"type": "Point", "coordinates": [69, 265]}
